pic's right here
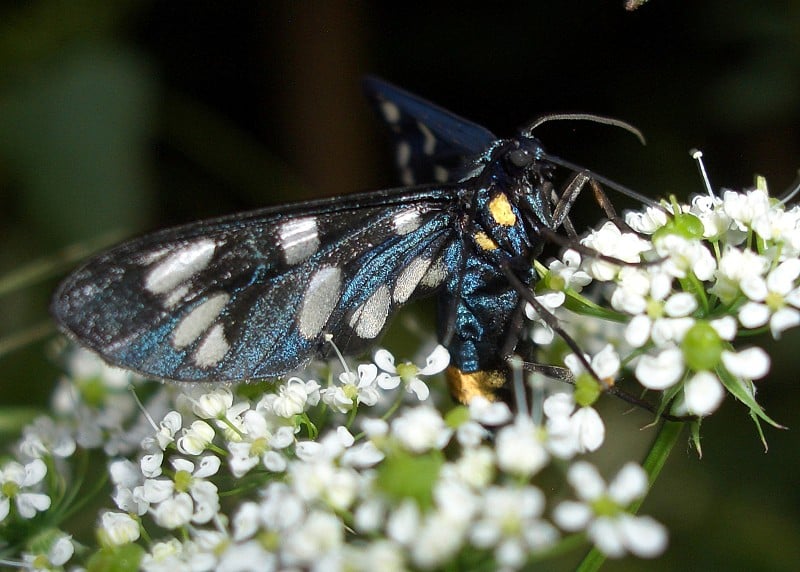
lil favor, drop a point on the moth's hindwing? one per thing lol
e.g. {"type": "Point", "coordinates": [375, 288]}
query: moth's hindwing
{"type": "Point", "coordinates": [252, 295]}
{"type": "Point", "coordinates": [431, 144]}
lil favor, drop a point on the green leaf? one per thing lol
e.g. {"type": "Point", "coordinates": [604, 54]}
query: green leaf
{"type": "Point", "coordinates": [124, 558]}
{"type": "Point", "coordinates": [403, 475]}
{"type": "Point", "coordinates": [736, 387]}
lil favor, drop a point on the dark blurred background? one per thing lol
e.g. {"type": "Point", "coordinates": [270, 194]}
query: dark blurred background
{"type": "Point", "coordinates": [131, 115]}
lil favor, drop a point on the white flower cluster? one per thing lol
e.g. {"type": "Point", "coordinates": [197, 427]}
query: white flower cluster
{"type": "Point", "coordinates": [362, 471]}
{"type": "Point", "coordinates": [708, 271]}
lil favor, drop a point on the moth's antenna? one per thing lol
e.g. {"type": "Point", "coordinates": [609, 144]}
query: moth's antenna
{"type": "Point", "coordinates": [792, 191]}
{"type": "Point", "coordinates": [697, 155]}
{"type": "Point", "coordinates": [584, 117]}
{"type": "Point", "coordinates": [601, 179]}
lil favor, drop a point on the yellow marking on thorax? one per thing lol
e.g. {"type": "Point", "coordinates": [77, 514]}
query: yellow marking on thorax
{"type": "Point", "coordinates": [501, 211]}
{"type": "Point", "coordinates": [466, 386]}
{"type": "Point", "coordinates": [485, 241]}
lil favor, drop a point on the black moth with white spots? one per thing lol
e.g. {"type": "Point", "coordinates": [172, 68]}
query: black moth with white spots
{"type": "Point", "coordinates": [254, 295]}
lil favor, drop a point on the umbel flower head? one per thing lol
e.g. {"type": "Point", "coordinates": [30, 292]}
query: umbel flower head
{"type": "Point", "coordinates": [365, 466]}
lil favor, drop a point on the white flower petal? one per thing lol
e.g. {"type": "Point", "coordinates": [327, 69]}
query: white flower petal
{"type": "Point", "coordinates": [605, 534]}
{"type": "Point", "coordinates": [782, 320]}
{"type": "Point", "coordinates": [629, 484]}
{"type": "Point", "coordinates": [436, 362]}
{"type": "Point", "coordinates": [725, 327]}
{"type": "Point", "coordinates": [643, 536]}
{"type": "Point", "coordinates": [753, 315]}
{"type": "Point", "coordinates": [388, 381]}
{"type": "Point", "coordinates": [680, 305]}
{"type": "Point", "coordinates": [638, 331]}
{"type": "Point", "coordinates": [28, 504]}
{"type": "Point", "coordinates": [419, 388]}
{"type": "Point", "coordinates": [606, 363]}
{"type": "Point", "coordinates": [590, 429]}
{"type": "Point", "coordinates": [34, 472]}
{"type": "Point", "coordinates": [489, 413]}
{"type": "Point", "coordinates": [781, 280]}
{"type": "Point", "coordinates": [586, 481]}
{"type": "Point", "coordinates": [572, 516]}
{"type": "Point", "coordinates": [703, 393]}
{"type": "Point", "coordinates": [385, 360]}
{"type": "Point", "coordinates": [751, 363]}
{"type": "Point", "coordinates": [660, 371]}
{"type": "Point", "coordinates": [754, 287]}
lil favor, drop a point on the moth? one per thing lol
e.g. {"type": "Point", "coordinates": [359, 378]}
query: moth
{"type": "Point", "coordinates": [255, 295]}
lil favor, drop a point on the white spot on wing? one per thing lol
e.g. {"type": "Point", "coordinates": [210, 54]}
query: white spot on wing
{"type": "Point", "coordinates": [299, 239]}
{"type": "Point", "coordinates": [429, 143]}
{"type": "Point", "coordinates": [440, 174]}
{"type": "Point", "coordinates": [151, 257]}
{"type": "Point", "coordinates": [390, 111]}
{"type": "Point", "coordinates": [409, 278]}
{"type": "Point", "coordinates": [368, 319]}
{"type": "Point", "coordinates": [197, 321]}
{"type": "Point", "coordinates": [435, 275]}
{"type": "Point", "coordinates": [213, 347]}
{"type": "Point", "coordinates": [403, 154]}
{"type": "Point", "coordinates": [176, 296]}
{"type": "Point", "coordinates": [319, 300]}
{"type": "Point", "coordinates": [173, 269]}
{"type": "Point", "coordinates": [406, 221]}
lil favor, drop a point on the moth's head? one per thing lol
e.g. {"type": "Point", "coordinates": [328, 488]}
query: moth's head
{"type": "Point", "coordinates": [524, 158]}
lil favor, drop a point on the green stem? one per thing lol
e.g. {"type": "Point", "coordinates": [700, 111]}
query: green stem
{"type": "Point", "coordinates": [667, 436]}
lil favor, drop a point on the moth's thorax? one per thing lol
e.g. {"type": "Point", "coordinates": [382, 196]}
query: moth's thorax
{"type": "Point", "coordinates": [510, 201]}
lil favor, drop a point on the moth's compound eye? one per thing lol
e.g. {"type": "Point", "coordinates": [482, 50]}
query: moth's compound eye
{"type": "Point", "coordinates": [520, 158]}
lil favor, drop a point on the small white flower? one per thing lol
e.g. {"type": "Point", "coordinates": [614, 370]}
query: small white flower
{"type": "Point", "coordinates": [569, 272]}
{"type": "Point", "coordinates": [648, 221]}
{"type": "Point", "coordinates": [213, 404]}
{"type": "Point", "coordinates": [475, 467]}
{"type": "Point", "coordinates": [661, 370]}
{"type": "Point", "coordinates": [602, 512]}
{"type": "Point", "coordinates": [684, 256]}
{"type": "Point", "coordinates": [488, 412]}
{"type": "Point", "coordinates": [569, 431]}
{"type": "Point", "coordinates": [320, 535]}
{"type": "Point", "coordinates": [322, 480]}
{"type": "Point", "coordinates": [292, 397]}
{"type": "Point", "coordinates": [710, 212]}
{"type": "Point", "coordinates": [84, 364]}
{"type": "Point", "coordinates": [519, 448]}
{"type": "Point", "coordinates": [18, 483]}
{"type": "Point", "coordinates": [408, 373]}
{"type": "Point", "coordinates": [354, 389]}
{"type": "Point", "coordinates": [774, 299]}
{"type": "Point", "coordinates": [196, 438]}
{"type": "Point", "coordinates": [168, 428]}
{"type": "Point", "coordinates": [421, 428]}
{"type": "Point", "coordinates": [118, 528]}
{"type": "Point", "coordinates": [59, 551]}
{"type": "Point", "coordinates": [735, 267]}
{"type": "Point", "coordinates": [43, 437]}
{"type": "Point", "coordinates": [605, 364]}
{"type": "Point", "coordinates": [611, 241]}
{"type": "Point", "coordinates": [511, 523]}
{"type": "Point", "coordinates": [743, 208]}
{"type": "Point", "coordinates": [542, 333]}
{"type": "Point", "coordinates": [188, 496]}
{"type": "Point", "coordinates": [258, 442]}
